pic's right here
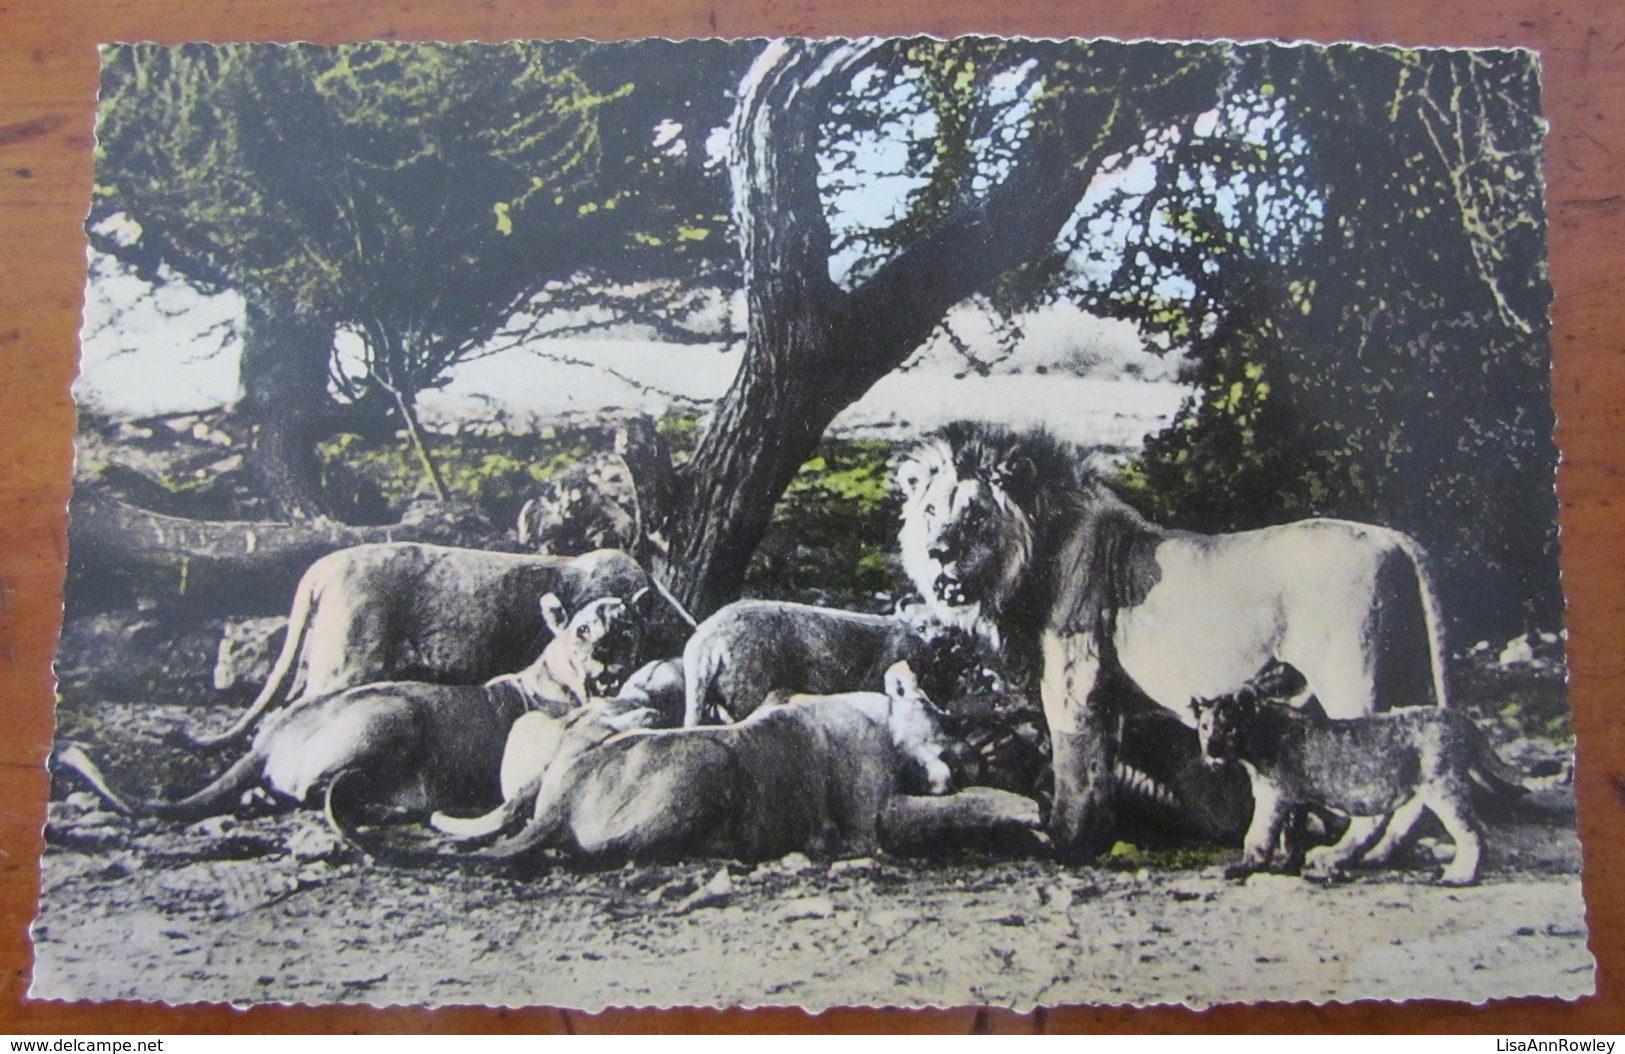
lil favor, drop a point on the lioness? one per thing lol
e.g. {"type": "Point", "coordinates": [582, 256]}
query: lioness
{"type": "Point", "coordinates": [408, 746]}
{"type": "Point", "coordinates": [414, 612]}
{"type": "Point", "coordinates": [540, 742]}
{"type": "Point", "coordinates": [1398, 763]}
{"type": "Point", "coordinates": [799, 770]}
{"type": "Point", "coordinates": [751, 648]}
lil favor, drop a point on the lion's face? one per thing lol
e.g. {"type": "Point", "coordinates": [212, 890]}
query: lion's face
{"type": "Point", "coordinates": [593, 651]}
{"type": "Point", "coordinates": [965, 539]}
{"type": "Point", "coordinates": [1218, 726]}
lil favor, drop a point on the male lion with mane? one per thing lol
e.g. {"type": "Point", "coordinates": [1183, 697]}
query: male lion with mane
{"type": "Point", "coordinates": [1009, 534]}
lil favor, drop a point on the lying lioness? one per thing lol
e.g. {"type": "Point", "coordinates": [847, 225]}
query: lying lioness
{"type": "Point", "coordinates": [800, 769]}
{"type": "Point", "coordinates": [1398, 763]}
{"type": "Point", "coordinates": [542, 743]}
{"type": "Point", "coordinates": [407, 746]}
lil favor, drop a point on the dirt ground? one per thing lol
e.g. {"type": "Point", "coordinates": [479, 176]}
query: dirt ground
{"type": "Point", "coordinates": [271, 908]}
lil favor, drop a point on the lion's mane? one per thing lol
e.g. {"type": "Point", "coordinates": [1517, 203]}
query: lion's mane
{"type": "Point", "coordinates": [1086, 554]}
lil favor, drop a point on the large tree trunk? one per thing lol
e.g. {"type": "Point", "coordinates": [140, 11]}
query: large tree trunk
{"type": "Point", "coordinates": [284, 375]}
{"type": "Point", "coordinates": [770, 420]}
{"type": "Point", "coordinates": [812, 349]}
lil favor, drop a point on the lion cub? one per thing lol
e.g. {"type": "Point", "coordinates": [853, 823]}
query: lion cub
{"type": "Point", "coordinates": [1393, 764]}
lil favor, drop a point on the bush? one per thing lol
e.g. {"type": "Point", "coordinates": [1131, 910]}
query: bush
{"type": "Point", "coordinates": [499, 472]}
{"type": "Point", "coordinates": [833, 532]}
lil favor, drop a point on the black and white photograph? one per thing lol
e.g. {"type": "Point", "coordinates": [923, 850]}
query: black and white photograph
{"type": "Point", "coordinates": [814, 522]}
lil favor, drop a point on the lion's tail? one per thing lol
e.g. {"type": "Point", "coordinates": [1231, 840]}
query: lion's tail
{"type": "Point", "coordinates": [70, 757]}
{"type": "Point", "coordinates": [1432, 614]}
{"type": "Point", "coordinates": [277, 684]}
{"type": "Point", "coordinates": [1495, 776]}
{"type": "Point", "coordinates": [676, 605]}
{"type": "Point", "coordinates": [379, 850]}
{"type": "Point", "coordinates": [536, 834]}
{"type": "Point", "coordinates": [550, 813]}
{"type": "Point", "coordinates": [498, 821]}
{"type": "Point", "coordinates": [239, 777]}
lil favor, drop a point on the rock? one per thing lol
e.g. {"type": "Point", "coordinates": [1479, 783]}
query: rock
{"type": "Point", "coordinates": [84, 839]}
{"type": "Point", "coordinates": [315, 843]}
{"type": "Point", "coordinates": [794, 863]}
{"type": "Point", "coordinates": [862, 865]}
{"type": "Point", "coordinates": [1443, 852]}
{"type": "Point", "coordinates": [720, 884]}
{"type": "Point", "coordinates": [787, 866]}
{"type": "Point", "coordinates": [247, 649]}
{"type": "Point", "coordinates": [673, 890]}
{"type": "Point", "coordinates": [650, 878]}
{"type": "Point", "coordinates": [1270, 884]}
{"type": "Point", "coordinates": [716, 892]}
{"type": "Point", "coordinates": [203, 433]}
{"type": "Point", "coordinates": [1518, 652]}
{"type": "Point", "coordinates": [215, 826]}
{"type": "Point", "coordinates": [315, 874]}
{"type": "Point", "coordinates": [807, 908]}
{"type": "Point", "coordinates": [1056, 898]}
{"type": "Point", "coordinates": [83, 801]}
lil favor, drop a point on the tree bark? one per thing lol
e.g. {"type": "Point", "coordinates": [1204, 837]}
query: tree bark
{"type": "Point", "coordinates": [812, 349]}
{"type": "Point", "coordinates": [769, 421]}
{"type": "Point", "coordinates": [406, 406]}
{"type": "Point", "coordinates": [639, 443]}
{"type": "Point", "coordinates": [284, 376]}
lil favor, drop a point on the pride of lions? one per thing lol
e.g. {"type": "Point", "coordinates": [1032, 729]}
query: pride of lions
{"type": "Point", "coordinates": [1308, 654]}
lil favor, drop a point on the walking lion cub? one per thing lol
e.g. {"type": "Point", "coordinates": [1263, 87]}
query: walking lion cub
{"type": "Point", "coordinates": [1392, 764]}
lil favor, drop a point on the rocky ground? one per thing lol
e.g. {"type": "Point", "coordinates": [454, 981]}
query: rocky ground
{"type": "Point", "coordinates": [270, 908]}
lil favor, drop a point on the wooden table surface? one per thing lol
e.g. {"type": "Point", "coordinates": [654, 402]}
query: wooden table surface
{"type": "Point", "coordinates": [48, 73]}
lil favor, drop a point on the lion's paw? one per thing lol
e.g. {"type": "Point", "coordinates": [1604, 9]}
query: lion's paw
{"type": "Point", "coordinates": [1321, 864]}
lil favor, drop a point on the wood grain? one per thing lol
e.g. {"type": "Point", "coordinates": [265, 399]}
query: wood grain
{"type": "Point", "coordinates": [48, 69]}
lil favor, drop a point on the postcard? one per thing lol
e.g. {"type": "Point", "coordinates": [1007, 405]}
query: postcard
{"type": "Point", "coordinates": [850, 522]}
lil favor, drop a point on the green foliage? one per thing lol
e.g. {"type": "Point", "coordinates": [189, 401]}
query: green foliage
{"type": "Point", "coordinates": [342, 180]}
{"type": "Point", "coordinates": [834, 530]}
{"type": "Point", "coordinates": [1354, 258]}
{"type": "Point", "coordinates": [417, 196]}
{"type": "Point", "coordinates": [1175, 856]}
{"type": "Point", "coordinates": [681, 430]}
{"type": "Point", "coordinates": [830, 540]}
{"type": "Point", "coordinates": [497, 472]}
{"type": "Point", "coordinates": [1520, 702]}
